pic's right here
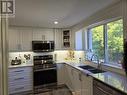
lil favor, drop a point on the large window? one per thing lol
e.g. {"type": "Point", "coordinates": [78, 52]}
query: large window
{"type": "Point", "coordinates": [97, 41]}
{"type": "Point", "coordinates": [106, 41]}
{"type": "Point", "coordinates": [115, 41]}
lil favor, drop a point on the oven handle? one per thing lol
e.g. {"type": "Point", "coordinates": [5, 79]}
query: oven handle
{"type": "Point", "coordinates": [54, 68]}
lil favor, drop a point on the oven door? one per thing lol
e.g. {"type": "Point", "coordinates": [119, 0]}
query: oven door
{"type": "Point", "coordinates": [45, 77]}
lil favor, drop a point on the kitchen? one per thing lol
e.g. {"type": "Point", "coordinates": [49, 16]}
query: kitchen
{"type": "Point", "coordinates": [49, 51]}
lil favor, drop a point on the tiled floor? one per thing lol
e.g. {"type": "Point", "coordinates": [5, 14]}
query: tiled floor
{"type": "Point", "coordinates": [54, 90]}
{"type": "Point", "coordinates": [63, 90]}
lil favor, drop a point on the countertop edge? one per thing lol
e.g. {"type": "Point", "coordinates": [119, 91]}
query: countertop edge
{"type": "Point", "coordinates": [92, 75]}
{"type": "Point", "coordinates": [20, 66]}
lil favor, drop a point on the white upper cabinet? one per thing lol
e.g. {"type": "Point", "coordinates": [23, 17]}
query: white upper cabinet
{"type": "Point", "coordinates": [20, 39]}
{"type": "Point", "coordinates": [43, 34]}
{"type": "Point", "coordinates": [58, 39]}
{"type": "Point", "coordinates": [14, 39]}
{"type": "Point", "coordinates": [66, 38]}
{"type": "Point", "coordinates": [26, 39]}
{"type": "Point", "coordinates": [63, 39]}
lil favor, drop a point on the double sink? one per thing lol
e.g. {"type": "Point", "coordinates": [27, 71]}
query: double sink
{"type": "Point", "coordinates": [91, 69]}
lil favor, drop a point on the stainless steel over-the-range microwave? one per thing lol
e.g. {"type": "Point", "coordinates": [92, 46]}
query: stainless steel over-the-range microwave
{"type": "Point", "coordinates": [43, 46]}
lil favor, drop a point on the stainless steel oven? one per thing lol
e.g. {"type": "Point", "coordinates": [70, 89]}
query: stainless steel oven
{"type": "Point", "coordinates": [45, 71]}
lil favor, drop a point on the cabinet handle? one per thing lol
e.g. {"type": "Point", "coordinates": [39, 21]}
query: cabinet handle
{"type": "Point", "coordinates": [19, 71]}
{"type": "Point", "coordinates": [103, 90]}
{"type": "Point", "coordinates": [19, 78]}
{"type": "Point", "coordinates": [19, 88]}
{"type": "Point", "coordinates": [72, 72]}
{"type": "Point", "coordinates": [80, 77]}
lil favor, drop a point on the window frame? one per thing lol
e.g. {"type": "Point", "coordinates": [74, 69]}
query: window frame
{"type": "Point", "coordinates": [105, 37]}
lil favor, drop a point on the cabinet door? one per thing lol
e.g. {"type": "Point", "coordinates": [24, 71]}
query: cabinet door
{"type": "Point", "coordinates": [77, 81]}
{"type": "Point", "coordinates": [20, 79]}
{"type": "Point", "coordinates": [26, 39]}
{"type": "Point", "coordinates": [66, 38]}
{"type": "Point", "coordinates": [58, 39]}
{"type": "Point", "coordinates": [14, 39]}
{"type": "Point", "coordinates": [69, 77]}
{"type": "Point", "coordinates": [60, 74]}
{"type": "Point", "coordinates": [87, 85]}
{"type": "Point", "coordinates": [49, 34]}
{"type": "Point", "coordinates": [43, 34]}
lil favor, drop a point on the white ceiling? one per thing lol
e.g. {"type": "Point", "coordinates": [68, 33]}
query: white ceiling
{"type": "Point", "coordinates": [42, 13]}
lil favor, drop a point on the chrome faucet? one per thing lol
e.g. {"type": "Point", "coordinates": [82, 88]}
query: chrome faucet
{"type": "Point", "coordinates": [97, 59]}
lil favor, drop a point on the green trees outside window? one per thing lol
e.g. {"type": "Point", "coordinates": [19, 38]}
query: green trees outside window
{"type": "Point", "coordinates": [98, 41]}
{"type": "Point", "coordinates": [115, 41]}
{"type": "Point", "coordinates": [111, 49]}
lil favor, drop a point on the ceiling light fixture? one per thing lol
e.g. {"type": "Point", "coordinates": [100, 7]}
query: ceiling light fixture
{"type": "Point", "coordinates": [55, 22]}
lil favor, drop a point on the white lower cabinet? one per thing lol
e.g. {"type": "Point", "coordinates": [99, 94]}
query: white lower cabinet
{"type": "Point", "coordinates": [73, 80]}
{"type": "Point", "coordinates": [20, 79]}
{"type": "Point", "coordinates": [77, 82]}
{"type": "Point", "coordinates": [87, 85]}
{"type": "Point", "coordinates": [69, 77]}
{"type": "Point", "coordinates": [61, 74]}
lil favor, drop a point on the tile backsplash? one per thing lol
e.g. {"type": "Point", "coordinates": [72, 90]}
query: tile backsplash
{"type": "Point", "coordinates": [60, 55]}
{"type": "Point", "coordinates": [26, 57]}
{"type": "Point", "coordinates": [63, 55]}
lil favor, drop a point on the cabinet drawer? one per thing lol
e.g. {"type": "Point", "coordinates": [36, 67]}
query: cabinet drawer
{"type": "Point", "coordinates": [19, 88]}
{"type": "Point", "coordinates": [97, 91]}
{"type": "Point", "coordinates": [19, 78]}
{"type": "Point", "coordinates": [19, 71]}
{"type": "Point", "coordinates": [104, 86]}
{"type": "Point", "coordinates": [25, 83]}
{"type": "Point", "coordinates": [21, 82]}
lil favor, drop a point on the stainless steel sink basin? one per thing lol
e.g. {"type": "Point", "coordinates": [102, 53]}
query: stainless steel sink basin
{"type": "Point", "coordinates": [92, 69]}
{"type": "Point", "coordinates": [86, 67]}
{"type": "Point", "coordinates": [96, 71]}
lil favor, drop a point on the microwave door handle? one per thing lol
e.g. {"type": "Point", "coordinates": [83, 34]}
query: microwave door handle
{"type": "Point", "coordinates": [50, 46]}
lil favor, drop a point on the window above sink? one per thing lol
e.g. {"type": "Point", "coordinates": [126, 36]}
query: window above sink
{"type": "Point", "coordinates": [106, 41]}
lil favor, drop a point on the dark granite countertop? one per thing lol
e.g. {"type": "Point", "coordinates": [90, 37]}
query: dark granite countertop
{"type": "Point", "coordinates": [114, 80]}
{"type": "Point", "coordinates": [117, 81]}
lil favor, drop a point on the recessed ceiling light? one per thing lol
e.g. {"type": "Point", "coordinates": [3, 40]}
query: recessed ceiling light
{"type": "Point", "coordinates": [55, 22]}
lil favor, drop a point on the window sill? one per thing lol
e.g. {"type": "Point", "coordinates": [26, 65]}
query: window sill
{"type": "Point", "coordinates": [112, 66]}
{"type": "Point", "coordinates": [108, 67]}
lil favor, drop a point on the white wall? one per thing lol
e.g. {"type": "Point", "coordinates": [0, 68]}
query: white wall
{"type": "Point", "coordinates": [109, 12]}
{"type": "Point", "coordinates": [78, 40]}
